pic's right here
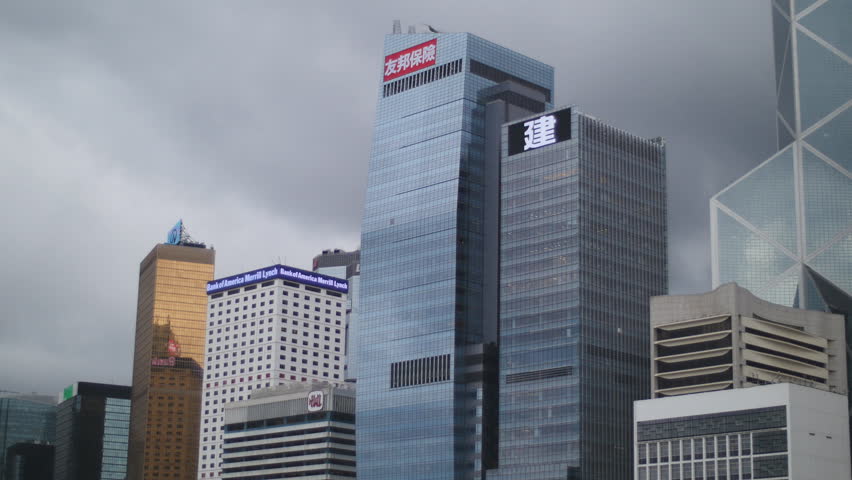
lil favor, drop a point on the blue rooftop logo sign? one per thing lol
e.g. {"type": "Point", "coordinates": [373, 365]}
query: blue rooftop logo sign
{"type": "Point", "coordinates": [278, 271]}
{"type": "Point", "coordinates": [175, 234]}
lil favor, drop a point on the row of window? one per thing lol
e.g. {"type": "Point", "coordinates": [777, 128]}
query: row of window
{"type": "Point", "coordinates": [694, 449]}
{"type": "Point", "coordinates": [420, 371]}
{"type": "Point", "coordinates": [722, 469]}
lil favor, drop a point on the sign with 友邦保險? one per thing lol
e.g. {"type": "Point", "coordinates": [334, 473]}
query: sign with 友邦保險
{"type": "Point", "coordinates": [410, 60]}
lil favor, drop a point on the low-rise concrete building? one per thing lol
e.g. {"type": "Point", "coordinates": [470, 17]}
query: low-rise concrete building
{"type": "Point", "coordinates": [728, 338]}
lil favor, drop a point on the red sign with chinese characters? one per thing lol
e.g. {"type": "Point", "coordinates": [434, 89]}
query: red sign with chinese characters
{"type": "Point", "coordinates": [174, 347]}
{"type": "Point", "coordinates": [315, 401]}
{"type": "Point", "coordinates": [411, 59]}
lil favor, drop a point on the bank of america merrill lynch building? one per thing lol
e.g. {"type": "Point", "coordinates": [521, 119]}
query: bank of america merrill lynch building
{"type": "Point", "coordinates": [504, 314]}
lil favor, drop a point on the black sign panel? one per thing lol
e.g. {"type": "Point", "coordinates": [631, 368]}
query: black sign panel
{"type": "Point", "coordinates": [539, 132]}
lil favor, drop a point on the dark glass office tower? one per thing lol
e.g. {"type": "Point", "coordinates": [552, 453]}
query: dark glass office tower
{"type": "Point", "coordinates": [92, 431]}
{"type": "Point", "coordinates": [583, 248]}
{"type": "Point", "coordinates": [427, 329]}
{"type": "Point", "coordinates": [29, 461]}
{"type": "Point", "coordinates": [25, 419]}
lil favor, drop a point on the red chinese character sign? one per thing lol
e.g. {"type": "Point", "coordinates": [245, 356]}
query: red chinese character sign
{"type": "Point", "coordinates": [174, 347]}
{"type": "Point", "coordinates": [410, 60]}
{"type": "Point", "coordinates": [315, 401]}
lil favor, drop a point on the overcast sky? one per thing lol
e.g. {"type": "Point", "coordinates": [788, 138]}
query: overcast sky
{"type": "Point", "coordinates": [252, 121]}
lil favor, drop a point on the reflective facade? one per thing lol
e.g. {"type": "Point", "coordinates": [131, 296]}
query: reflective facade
{"type": "Point", "coordinates": [419, 367]}
{"type": "Point", "coordinates": [784, 230]}
{"type": "Point", "coordinates": [92, 431]}
{"type": "Point", "coordinates": [583, 247]}
{"type": "Point", "coordinates": [23, 419]}
{"type": "Point", "coordinates": [168, 362]}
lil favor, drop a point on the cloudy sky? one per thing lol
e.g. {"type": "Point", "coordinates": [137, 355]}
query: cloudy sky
{"type": "Point", "coordinates": [252, 121]}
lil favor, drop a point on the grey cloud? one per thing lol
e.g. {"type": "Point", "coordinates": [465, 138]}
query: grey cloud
{"type": "Point", "coordinates": [253, 122]}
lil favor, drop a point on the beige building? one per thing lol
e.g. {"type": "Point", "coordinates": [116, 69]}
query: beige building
{"type": "Point", "coordinates": [728, 338]}
{"type": "Point", "coordinates": [168, 362]}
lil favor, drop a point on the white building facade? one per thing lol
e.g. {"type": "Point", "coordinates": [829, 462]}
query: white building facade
{"type": "Point", "coordinates": [300, 430]}
{"type": "Point", "coordinates": [267, 327]}
{"type": "Point", "coordinates": [778, 432]}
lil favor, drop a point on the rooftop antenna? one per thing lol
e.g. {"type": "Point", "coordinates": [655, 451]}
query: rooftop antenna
{"type": "Point", "coordinates": [397, 27]}
{"type": "Point", "coordinates": [412, 29]}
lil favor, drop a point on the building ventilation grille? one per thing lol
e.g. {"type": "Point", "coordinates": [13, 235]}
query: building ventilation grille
{"type": "Point", "coordinates": [539, 374]}
{"type": "Point", "coordinates": [420, 371]}
{"type": "Point", "coordinates": [422, 78]}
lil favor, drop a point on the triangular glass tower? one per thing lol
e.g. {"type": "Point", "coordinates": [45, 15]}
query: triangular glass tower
{"type": "Point", "coordinates": [784, 230]}
{"type": "Point", "coordinates": [793, 213]}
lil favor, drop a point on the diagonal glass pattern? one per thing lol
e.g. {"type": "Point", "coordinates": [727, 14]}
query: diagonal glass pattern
{"type": "Point", "coordinates": [781, 41]}
{"type": "Point", "coordinates": [749, 260]}
{"type": "Point", "coordinates": [785, 138]}
{"type": "Point", "coordinates": [801, 5]}
{"type": "Point", "coordinates": [835, 265]}
{"type": "Point", "coordinates": [786, 94]}
{"type": "Point", "coordinates": [813, 298]}
{"type": "Point", "coordinates": [765, 199]}
{"type": "Point", "coordinates": [783, 291]}
{"type": "Point", "coordinates": [825, 80]}
{"type": "Point", "coordinates": [784, 5]}
{"type": "Point", "coordinates": [831, 23]}
{"type": "Point", "coordinates": [834, 139]}
{"type": "Point", "coordinates": [828, 201]}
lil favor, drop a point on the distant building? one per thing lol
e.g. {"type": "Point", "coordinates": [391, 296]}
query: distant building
{"type": "Point", "coordinates": [779, 431]}
{"type": "Point", "coordinates": [25, 418]}
{"type": "Point", "coordinates": [728, 338]}
{"type": "Point", "coordinates": [301, 430]}
{"type": "Point", "coordinates": [92, 432]}
{"type": "Point", "coordinates": [29, 461]}
{"type": "Point", "coordinates": [338, 263]}
{"type": "Point", "coordinates": [345, 265]}
{"type": "Point", "coordinates": [168, 359]}
{"type": "Point", "coordinates": [267, 327]}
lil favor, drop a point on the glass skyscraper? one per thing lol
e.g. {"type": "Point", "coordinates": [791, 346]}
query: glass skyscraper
{"type": "Point", "coordinates": [168, 362]}
{"type": "Point", "coordinates": [583, 248]}
{"type": "Point", "coordinates": [784, 230]}
{"type": "Point", "coordinates": [428, 326]}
